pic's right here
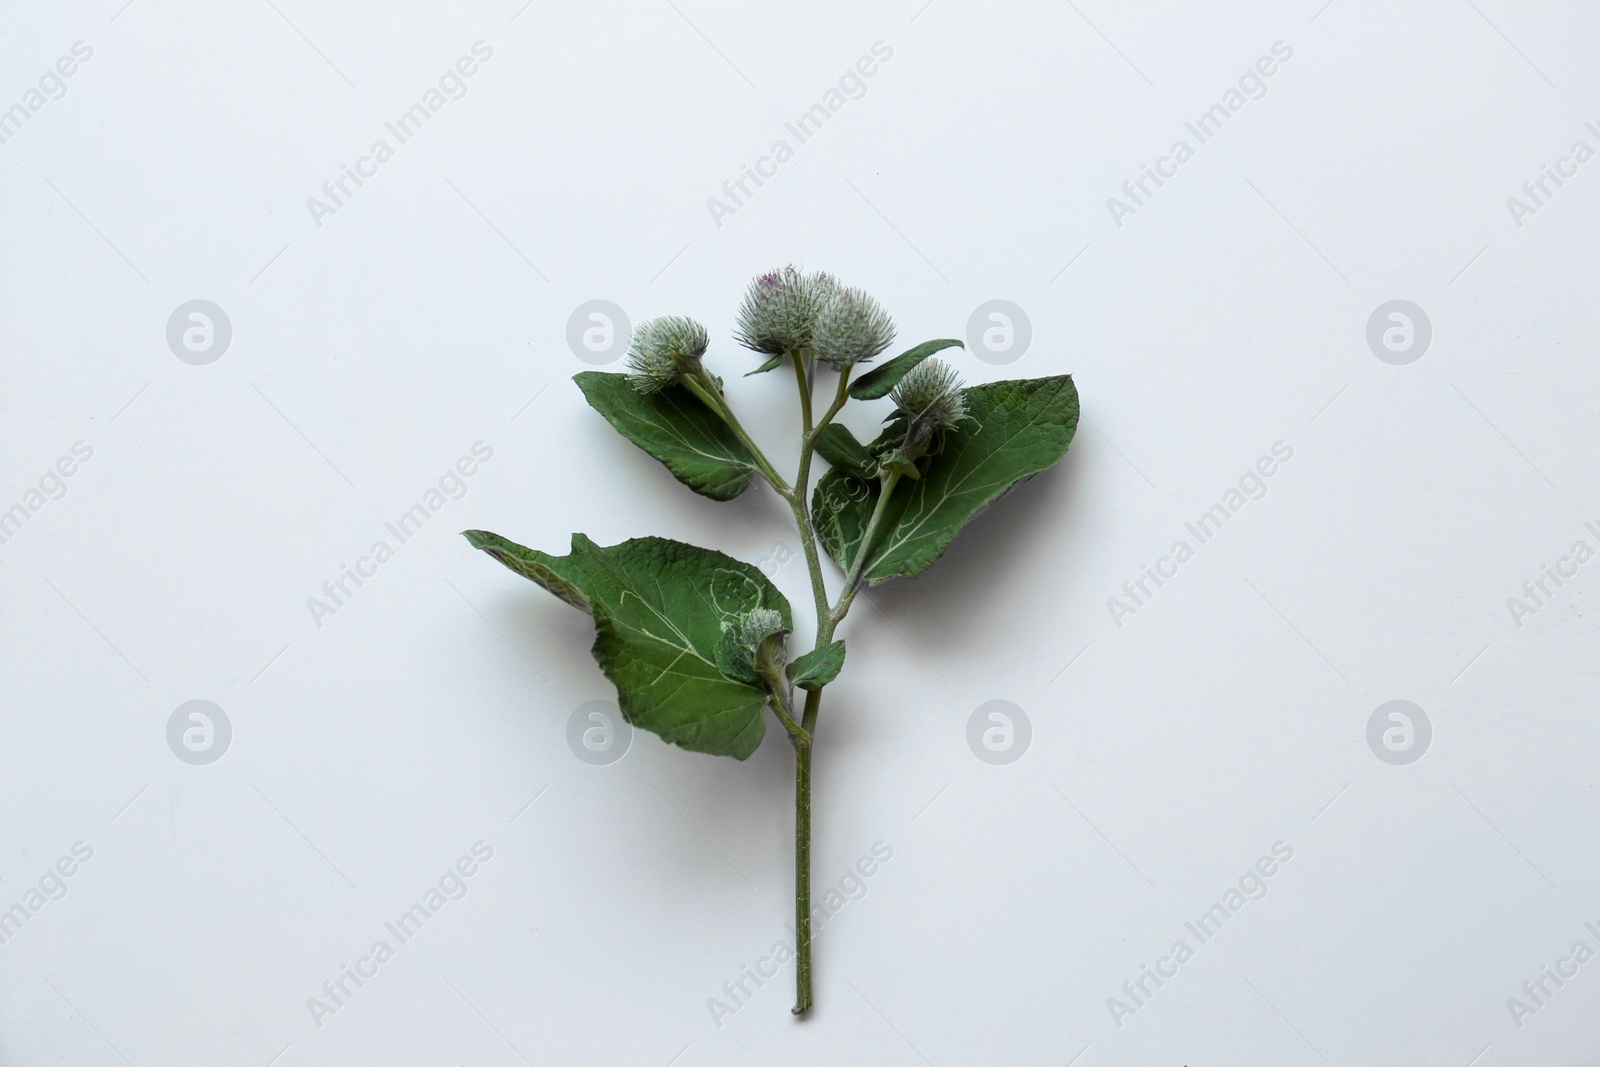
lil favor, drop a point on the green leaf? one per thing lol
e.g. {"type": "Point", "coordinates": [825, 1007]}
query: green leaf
{"type": "Point", "coordinates": [818, 667]}
{"type": "Point", "coordinates": [677, 429]}
{"type": "Point", "coordinates": [878, 381]}
{"type": "Point", "coordinates": [839, 447]}
{"type": "Point", "coordinates": [772, 364]}
{"type": "Point", "coordinates": [1015, 430]}
{"type": "Point", "coordinates": [900, 465]}
{"type": "Point", "coordinates": [734, 659]}
{"type": "Point", "coordinates": [555, 573]}
{"type": "Point", "coordinates": [659, 607]}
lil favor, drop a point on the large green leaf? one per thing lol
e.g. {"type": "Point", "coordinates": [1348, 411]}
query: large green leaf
{"type": "Point", "coordinates": [659, 608]}
{"type": "Point", "coordinates": [1015, 429]}
{"type": "Point", "coordinates": [880, 380]}
{"type": "Point", "coordinates": [676, 428]}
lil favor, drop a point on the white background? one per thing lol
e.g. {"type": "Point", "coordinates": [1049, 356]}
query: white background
{"type": "Point", "coordinates": [430, 312]}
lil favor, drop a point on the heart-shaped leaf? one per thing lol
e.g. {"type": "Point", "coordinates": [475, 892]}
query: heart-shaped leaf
{"type": "Point", "coordinates": [677, 429]}
{"type": "Point", "coordinates": [878, 381]}
{"type": "Point", "coordinates": [659, 608]}
{"type": "Point", "coordinates": [1014, 430]}
{"type": "Point", "coordinates": [818, 667]}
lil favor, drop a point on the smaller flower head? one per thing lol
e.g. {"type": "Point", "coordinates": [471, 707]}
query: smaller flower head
{"type": "Point", "coordinates": [928, 402]}
{"type": "Point", "coordinates": [931, 394]}
{"type": "Point", "coordinates": [759, 625]}
{"type": "Point", "coordinates": [663, 350]}
{"type": "Point", "coordinates": [851, 328]}
{"type": "Point", "coordinates": [754, 648]}
{"type": "Point", "coordinates": [780, 308]}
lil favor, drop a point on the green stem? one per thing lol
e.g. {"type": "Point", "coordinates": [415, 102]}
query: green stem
{"type": "Point", "coordinates": [802, 750]}
{"type": "Point", "coordinates": [852, 581]}
{"type": "Point", "coordinates": [825, 625]}
{"type": "Point", "coordinates": [839, 400]}
{"type": "Point", "coordinates": [813, 702]}
{"type": "Point", "coordinates": [780, 705]}
{"type": "Point", "coordinates": [802, 873]}
{"type": "Point", "coordinates": [704, 386]}
{"type": "Point", "coordinates": [802, 481]}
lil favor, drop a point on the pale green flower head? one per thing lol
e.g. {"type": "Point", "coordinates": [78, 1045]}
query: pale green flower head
{"type": "Point", "coordinates": [759, 625]}
{"type": "Point", "coordinates": [929, 403]}
{"type": "Point", "coordinates": [754, 647]}
{"type": "Point", "coordinates": [851, 328]}
{"type": "Point", "coordinates": [780, 309]}
{"type": "Point", "coordinates": [930, 396]}
{"type": "Point", "coordinates": [663, 350]}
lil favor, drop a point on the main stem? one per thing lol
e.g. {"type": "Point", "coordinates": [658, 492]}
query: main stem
{"type": "Point", "coordinates": [802, 872]}
{"type": "Point", "coordinates": [827, 621]}
{"type": "Point", "coordinates": [828, 618]}
{"type": "Point", "coordinates": [802, 747]}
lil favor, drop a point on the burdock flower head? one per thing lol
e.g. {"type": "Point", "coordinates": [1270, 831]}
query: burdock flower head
{"type": "Point", "coordinates": [763, 634]}
{"type": "Point", "coordinates": [754, 647]}
{"type": "Point", "coordinates": [663, 350]}
{"type": "Point", "coordinates": [929, 401]}
{"type": "Point", "coordinates": [851, 328]}
{"type": "Point", "coordinates": [780, 309]}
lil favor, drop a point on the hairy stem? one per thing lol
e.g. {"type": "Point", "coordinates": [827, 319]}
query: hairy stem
{"type": "Point", "coordinates": [798, 501]}
{"type": "Point", "coordinates": [785, 713]}
{"type": "Point", "coordinates": [839, 400]}
{"type": "Point", "coordinates": [704, 386]}
{"type": "Point", "coordinates": [802, 874]}
{"type": "Point", "coordinates": [801, 506]}
{"type": "Point", "coordinates": [813, 702]}
{"type": "Point", "coordinates": [852, 581]}
{"type": "Point", "coordinates": [802, 751]}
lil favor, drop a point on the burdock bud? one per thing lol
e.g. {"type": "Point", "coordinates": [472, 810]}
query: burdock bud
{"type": "Point", "coordinates": [754, 648]}
{"type": "Point", "coordinates": [851, 328]}
{"type": "Point", "coordinates": [759, 625]}
{"type": "Point", "coordinates": [663, 350]}
{"type": "Point", "coordinates": [929, 401]}
{"type": "Point", "coordinates": [780, 308]}
{"type": "Point", "coordinates": [765, 636]}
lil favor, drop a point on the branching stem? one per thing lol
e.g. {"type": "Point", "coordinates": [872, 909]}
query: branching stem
{"type": "Point", "coordinates": [852, 581]}
{"type": "Point", "coordinates": [785, 713]}
{"type": "Point", "coordinates": [798, 501]}
{"type": "Point", "coordinates": [801, 733]}
{"type": "Point", "coordinates": [839, 400]}
{"type": "Point", "coordinates": [704, 386]}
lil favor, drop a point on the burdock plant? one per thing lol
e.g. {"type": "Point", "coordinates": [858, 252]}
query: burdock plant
{"type": "Point", "coordinates": [697, 642]}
